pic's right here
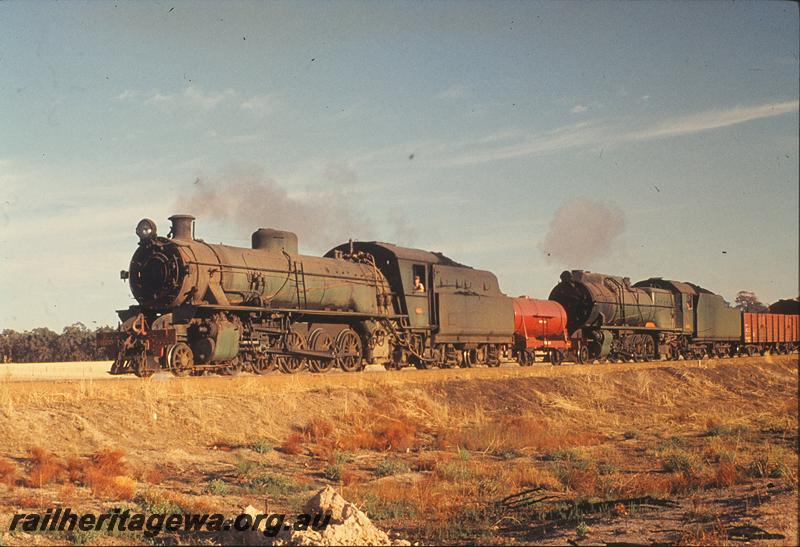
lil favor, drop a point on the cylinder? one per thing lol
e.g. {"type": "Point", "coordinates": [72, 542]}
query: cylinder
{"type": "Point", "coordinates": [182, 226]}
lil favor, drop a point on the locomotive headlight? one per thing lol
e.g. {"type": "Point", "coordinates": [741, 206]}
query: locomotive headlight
{"type": "Point", "coordinates": [146, 229]}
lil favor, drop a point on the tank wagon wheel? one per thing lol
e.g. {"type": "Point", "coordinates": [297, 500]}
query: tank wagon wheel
{"type": "Point", "coordinates": [348, 350]}
{"type": "Point", "coordinates": [582, 355]}
{"type": "Point", "coordinates": [180, 359]}
{"type": "Point", "coordinates": [290, 364]}
{"type": "Point", "coordinates": [555, 357]}
{"type": "Point", "coordinates": [319, 340]}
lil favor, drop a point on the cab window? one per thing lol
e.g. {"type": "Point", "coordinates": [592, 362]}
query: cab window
{"type": "Point", "coordinates": [418, 278]}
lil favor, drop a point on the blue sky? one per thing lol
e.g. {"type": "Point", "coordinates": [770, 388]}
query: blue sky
{"type": "Point", "coordinates": [458, 127]}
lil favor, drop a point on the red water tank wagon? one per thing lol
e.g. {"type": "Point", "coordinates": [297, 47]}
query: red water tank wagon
{"type": "Point", "coordinates": [541, 323]}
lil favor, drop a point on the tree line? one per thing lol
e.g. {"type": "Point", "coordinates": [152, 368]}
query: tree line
{"type": "Point", "coordinates": [41, 345]}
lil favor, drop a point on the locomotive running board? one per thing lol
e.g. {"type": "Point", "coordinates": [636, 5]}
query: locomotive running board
{"type": "Point", "coordinates": [296, 312]}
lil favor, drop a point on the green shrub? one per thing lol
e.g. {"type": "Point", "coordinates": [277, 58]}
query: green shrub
{"type": "Point", "coordinates": [672, 442]}
{"type": "Point", "coordinates": [722, 429]}
{"type": "Point", "coordinates": [680, 460]}
{"type": "Point", "coordinates": [218, 487]}
{"type": "Point", "coordinates": [606, 468]}
{"type": "Point", "coordinates": [565, 454]}
{"type": "Point", "coordinates": [245, 467]}
{"type": "Point", "coordinates": [507, 454]}
{"type": "Point", "coordinates": [382, 509]}
{"type": "Point", "coordinates": [391, 466]}
{"type": "Point", "coordinates": [333, 472]}
{"type": "Point", "coordinates": [272, 483]}
{"type": "Point", "coordinates": [454, 471]}
{"type": "Point", "coordinates": [262, 447]}
{"type": "Point", "coordinates": [339, 458]}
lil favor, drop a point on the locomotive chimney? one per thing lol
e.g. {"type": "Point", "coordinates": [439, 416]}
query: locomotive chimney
{"type": "Point", "coordinates": [182, 226]}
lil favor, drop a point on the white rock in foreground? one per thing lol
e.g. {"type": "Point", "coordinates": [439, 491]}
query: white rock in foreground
{"type": "Point", "coordinates": [348, 525]}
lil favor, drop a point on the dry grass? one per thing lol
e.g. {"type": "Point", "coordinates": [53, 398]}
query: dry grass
{"type": "Point", "coordinates": [601, 433]}
{"type": "Point", "coordinates": [45, 468]}
{"type": "Point", "coordinates": [519, 433]}
{"type": "Point", "coordinates": [293, 444]}
{"type": "Point", "coordinates": [8, 473]}
{"type": "Point", "coordinates": [384, 434]}
{"type": "Point", "coordinates": [107, 477]}
{"type": "Point", "coordinates": [105, 473]}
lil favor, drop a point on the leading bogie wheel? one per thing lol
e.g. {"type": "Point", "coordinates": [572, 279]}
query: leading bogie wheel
{"type": "Point", "coordinates": [140, 368]}
{"type": "Point", "coordinates": [348, 351]}
{"type": "Point", "coordinates": [180, 359]}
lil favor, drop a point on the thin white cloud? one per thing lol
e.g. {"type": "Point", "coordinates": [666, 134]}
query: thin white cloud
{"type": "Point", "coordinates": [127, 95]}
{"type": "Point", "coordinates": [563, 138]}
{"type": "Point", "coordinates": [260, 105]}
{"type": "Point", "coordinates": [455, 91]}
{"type": "Point", "coordinates": [713, 119]}
{"type": "Point", "coordinates": [594, 135]}
{"type": "Point", "coordinates": [206, 101]}
{"type": "Point", "coordinates": [579, 109]}
{"type": "Point", "coordinates": [191, 98]}
{"type": "Point", "coordinates": [159, 98]}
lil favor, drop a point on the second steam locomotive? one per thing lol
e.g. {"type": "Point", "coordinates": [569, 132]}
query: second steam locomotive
{"type": "Point", "coordinates": [205, 307]}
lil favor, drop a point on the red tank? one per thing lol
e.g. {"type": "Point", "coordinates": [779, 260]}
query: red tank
{"type": "Point", "coordinates": [541, 323]}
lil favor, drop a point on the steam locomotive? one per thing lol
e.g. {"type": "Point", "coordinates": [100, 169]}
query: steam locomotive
{"type": "Point", "coordinates": [610, 318]}
{"type": "Point", "coordinates": [216, 308]}
{"type": "Point", "coordinates": [208, 307]}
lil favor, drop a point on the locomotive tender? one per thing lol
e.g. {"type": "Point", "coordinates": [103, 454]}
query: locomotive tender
{"type": "Point", "coordinates": [217, 308]}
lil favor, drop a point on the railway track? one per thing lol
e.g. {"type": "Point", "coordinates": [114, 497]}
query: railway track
{"type": "Point", "coordinates": [99, 371]}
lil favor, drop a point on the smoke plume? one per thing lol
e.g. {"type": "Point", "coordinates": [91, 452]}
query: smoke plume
{"type": "Point", "coordinates": [582, 231]}
{"type": "Point", "coordinates": [251, 200]}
